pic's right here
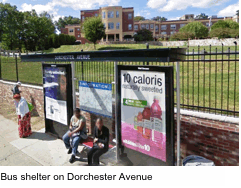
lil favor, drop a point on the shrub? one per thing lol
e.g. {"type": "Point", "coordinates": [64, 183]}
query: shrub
{"type": "Point", "coordinates": [143, 35]}
{"type": "Point", "coordinates": [224, 33]}
{"type": "Point", "coordinates": [182, 36]}
{"type": "Point", "coordinates": [196, 28]}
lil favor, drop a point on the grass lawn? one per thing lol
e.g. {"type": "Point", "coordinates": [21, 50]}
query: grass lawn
{"type": "Point", "coordinates": [90, 47]}
{"type": "Point", "coordinates": [210, 83]}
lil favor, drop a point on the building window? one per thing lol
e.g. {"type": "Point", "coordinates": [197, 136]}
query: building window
{"type": "Point", "coordinates": [103, 14]}
{"type": "Point", "coordinates": [164, 33]}
{"type": "Point", "coordinates": [147, 26]}
{"type": "Point", "coordinates": [83, 18]}
{"type": "Point", "coordinates": [136, 27]}
{"type": "Point", "coordinates": [182, 25]}
{"type": "Point", "coordinates": [111, 14]}
{"type": "Point", "coordinates": [172, 32]}
{"type": "Point", "coordinates": [143, 26]}
{"type": "Point", "coordinates": [130, 16]}
{"type": "Point", "coordinates": [118, 25]}
{"type": "Point", "coordinates": [78, 29]}
{"type": "Point", "coordinates": [96, 14]}
{"type": "Point", "coordinates": [163, 27]}
{"type": "Point", "coordinates": [157, 28]}
{"type": "Point", "coordinates": [78, 36]}
{"type": "Point", "coordinates": [130, 26]}
{"type": "Point", "coordinates": [71, 30]}
{"type": "Point", "coordinates": [110, 25]}
{"type": "Point", "coordinates": [117, 14]}
{"type": "Point", "coordinates": [173, 26]}
{"type": "Point", "coordinates": [152, 26]}
{"type": "Point", "coordinates": [104, 25]}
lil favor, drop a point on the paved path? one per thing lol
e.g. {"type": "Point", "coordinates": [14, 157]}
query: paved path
{"type": "Point", "coordinates": [40, 149]}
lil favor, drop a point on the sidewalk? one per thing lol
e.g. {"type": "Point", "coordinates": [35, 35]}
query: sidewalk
{"type": "Point", "coordinates": [40, 149]}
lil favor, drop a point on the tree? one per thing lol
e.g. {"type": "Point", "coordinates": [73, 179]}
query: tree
{"type": "Point", "coordinates": [222, 24]}
{"type": "Point", "coordinates": [11, 26]}
{"type": "Point", "coordinates": [223, 33]}
{"type": "Point", "coordinates": [197, 28]}
{"type": "Point", "coordinates": [159, 18]}
{"type": "Point", "coordinates": [143, 35]}
{"type": "Point", "coordinates": [182, 36]}
{"type": "Point", "coordinates": [36, 30]}
{"type": "Point", "coordinates": [138, 18]}
{"type": "Point", "coordinates": [93, 29]}
{"type": "Point", "coordinates": [201, 16]}
{"type": "Point", "coordinates": [62, 22]}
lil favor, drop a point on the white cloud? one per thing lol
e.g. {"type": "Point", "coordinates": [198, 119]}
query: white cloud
{"type": "Point", "coordinates": [3, 1]}
{"type": "Point", "coordinates": [169, 5]}
{"type": "Point", "coordinates": [49, 7]}
{"type": "Point", "coordinates": [85, 4]}
{"type": "Point", "coordinates": [174, 18]}
{"type": "Point", "coordinates": [145, 13]}
{"type": "Point", "coordinates": [156, 3]}
{"type": "Point", "coordinates": [229, 10]}
{"type": "Point", "coordinates": [74, 4]}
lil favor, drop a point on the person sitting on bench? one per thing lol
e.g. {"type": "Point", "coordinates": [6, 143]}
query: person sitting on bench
{"type": "Point", "coordinates": [101, 143]}
{"type": "Point", "coordinates": [77, 131]}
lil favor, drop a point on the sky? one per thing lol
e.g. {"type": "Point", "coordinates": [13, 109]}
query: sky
{"type": "Point", "coordinates": [171, 9]}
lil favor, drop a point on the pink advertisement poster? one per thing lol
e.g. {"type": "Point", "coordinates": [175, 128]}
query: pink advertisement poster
{"type": "Point", "coordinates": [143, 123]}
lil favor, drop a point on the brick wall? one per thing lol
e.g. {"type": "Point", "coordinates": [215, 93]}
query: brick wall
{"type": "Point", "coordinates": [215, 140]}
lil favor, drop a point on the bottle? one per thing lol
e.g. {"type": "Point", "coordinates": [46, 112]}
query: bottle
{"type": "Point", "coordinates": [139, 119]}
{"type": "Point", "coordinates": [156, 112]}
{"type": "Point", "coordinates": [146, 116]}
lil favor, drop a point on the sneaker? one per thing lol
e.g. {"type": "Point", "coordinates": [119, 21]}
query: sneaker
{"type": "Point", "coordinates": [69, 151]}
{"type": "Point", "coordinates": [72, 159]}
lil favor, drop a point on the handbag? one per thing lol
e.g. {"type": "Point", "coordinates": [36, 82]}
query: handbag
{"type": "Point", "coordinates": [30, 106]}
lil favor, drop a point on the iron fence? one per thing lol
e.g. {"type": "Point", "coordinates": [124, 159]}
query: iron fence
{"type": "Point", "coordinates": [209, 79]}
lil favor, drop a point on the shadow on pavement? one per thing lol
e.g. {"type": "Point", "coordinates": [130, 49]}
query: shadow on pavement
{"type": "Point", "coordinates": [41, 136]}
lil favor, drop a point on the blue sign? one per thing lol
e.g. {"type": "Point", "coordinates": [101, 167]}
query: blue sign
{"type": "Point", "coordinates": [96, 98]}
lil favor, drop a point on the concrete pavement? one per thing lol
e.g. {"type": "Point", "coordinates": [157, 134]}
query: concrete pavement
{"type": "Point", "coordinates": [39, 149]}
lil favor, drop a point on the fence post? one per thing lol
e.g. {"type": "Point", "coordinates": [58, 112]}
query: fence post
{"type": "Point", "coordinates": [16, 62]}
{"type": "Point", "coordinates": [178, 112]}
{"type": "Point", "coordinates": [82, 65]}
{"type": "Point", "coordinates": [147, 47]}
{"type": "Point", "coordinates": [73, 84]}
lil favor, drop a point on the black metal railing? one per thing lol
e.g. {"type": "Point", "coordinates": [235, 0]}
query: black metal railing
{"type": "Point", "coordinates": [209, 78]}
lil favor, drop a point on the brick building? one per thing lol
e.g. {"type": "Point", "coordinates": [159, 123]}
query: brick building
{"type": "Point", "coordinates": [120, 25]}
{"type": "Point", "coordinates": [169, 27]}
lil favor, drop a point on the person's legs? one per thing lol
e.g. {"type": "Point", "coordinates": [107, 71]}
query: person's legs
{"type": "Point", "coordinates": [75, 144]}
{"type": "Point", "coordinates": [90, 155]}
{"type": "Point", "coordinates": [97, 155]}
{"type": "Point", "coordinates": [66, 140]}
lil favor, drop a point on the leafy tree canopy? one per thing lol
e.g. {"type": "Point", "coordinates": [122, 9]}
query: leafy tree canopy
{"type": "Point", "coordinates": [143, 35]}
{"type": "Point", "coordinates": [93, 29]}
{"type": "Point", "coordinates": [62, 22]}
{"type": "Point", "coordinates": [159, 18]}
{"type": "Point", "coordinates": [197, 28]}
{"type": "Point", "coordinates": [201, 16]}
{"type": "Point", "coordinates": [138, 18]}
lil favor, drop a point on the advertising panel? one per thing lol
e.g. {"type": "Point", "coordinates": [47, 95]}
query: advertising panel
{"type": "Point", "coordinates": [55, 87]}
{"type": "Point", "coordinates": [96, 98]}
{"type": "Point", "coordinates": [146, 108]}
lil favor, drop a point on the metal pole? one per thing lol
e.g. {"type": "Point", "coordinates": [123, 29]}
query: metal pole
{"type": "Point", "coordinates": [116, 115]}
{"type": "Point", "coordinates": [82, 65]}
{"type": "Point", "coordinates": [178, 112]}
{"type": "Point", "coordinates": [73, 85]}
{"type": "Point", "coordinates": [16, 62]}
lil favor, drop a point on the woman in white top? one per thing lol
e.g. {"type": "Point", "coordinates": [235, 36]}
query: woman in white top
{"type": "Point", "coordinates": [24, 116]}
{"type": "Point", "coordinates": [77, 131]}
